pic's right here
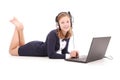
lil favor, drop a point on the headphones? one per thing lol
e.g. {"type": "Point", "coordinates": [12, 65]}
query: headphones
{"type": "Point", "coordinates": [71, 20]}
{"type": "Point", "coordinates": [56, 19]}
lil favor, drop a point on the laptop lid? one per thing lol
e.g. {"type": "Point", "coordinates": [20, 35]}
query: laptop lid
{"type": "Point", "coordinates": [98, 48]}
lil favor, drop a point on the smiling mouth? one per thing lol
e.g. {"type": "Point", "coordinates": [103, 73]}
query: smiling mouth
{"type": "Point", "coordinates": [66, 27]}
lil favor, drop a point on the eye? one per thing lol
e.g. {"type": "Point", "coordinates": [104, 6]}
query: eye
{"type": "Point", "coordinates": [62, 22]}
{"type": "Point", "coordinates": [68, 21]}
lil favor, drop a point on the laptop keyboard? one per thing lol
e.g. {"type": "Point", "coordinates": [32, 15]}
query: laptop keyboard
{"type": "Point", "coordinates": [80, 58]}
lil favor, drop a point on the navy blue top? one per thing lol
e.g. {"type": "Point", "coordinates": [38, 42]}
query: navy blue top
{"type": "Point", "coordinates": [52, 45]}
{"type": "Point", "coordinates": [48, 48]}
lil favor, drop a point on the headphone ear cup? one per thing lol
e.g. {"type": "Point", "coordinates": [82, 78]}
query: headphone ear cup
{"type": "Point", "coordinates": [71, 19]}
{"type": "Point", "coordinates": [71, 22]}
{"type": "Point", "coordinates": [57, 25]}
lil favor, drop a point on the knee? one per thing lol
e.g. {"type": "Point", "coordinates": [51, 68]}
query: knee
{"type": "Point", "coordinates": [13, 53]}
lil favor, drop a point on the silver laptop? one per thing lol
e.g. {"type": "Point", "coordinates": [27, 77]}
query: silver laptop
{"type": "Point", "coordinates": [96, 52]}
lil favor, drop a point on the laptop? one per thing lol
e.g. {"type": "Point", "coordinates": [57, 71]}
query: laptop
{"type": "Point", "coordinates": [96, 52]}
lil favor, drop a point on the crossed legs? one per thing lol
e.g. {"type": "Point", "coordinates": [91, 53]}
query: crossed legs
{"type": "Point", "coordinates": [18, 37]}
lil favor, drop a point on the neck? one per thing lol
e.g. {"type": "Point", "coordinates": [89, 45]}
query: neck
{"type": "Point", "coordinates": [64, 33]}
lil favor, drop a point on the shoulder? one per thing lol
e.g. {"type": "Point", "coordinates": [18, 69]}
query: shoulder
{"type": "Point", "coordinates": [53, 33]}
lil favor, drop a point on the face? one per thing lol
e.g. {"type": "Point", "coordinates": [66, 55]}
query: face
{"type": "Point", "coordinates": [65, 24]}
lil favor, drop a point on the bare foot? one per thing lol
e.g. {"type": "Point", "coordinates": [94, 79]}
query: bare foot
{"type": "Point", "coordinates": [17, 23]}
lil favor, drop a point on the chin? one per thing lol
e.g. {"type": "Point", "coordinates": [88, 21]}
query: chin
{"type": "Point", "coordinates": [66, 30]}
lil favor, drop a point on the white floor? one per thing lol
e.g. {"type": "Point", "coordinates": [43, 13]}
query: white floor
{"type": "Point", "coordinates": [37, 68]}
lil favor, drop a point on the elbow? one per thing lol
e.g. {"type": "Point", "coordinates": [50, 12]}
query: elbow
{"type": "Point", "coordinates": [50, 56]}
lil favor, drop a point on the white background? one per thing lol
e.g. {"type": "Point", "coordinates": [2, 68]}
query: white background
{"type": "Point", "coordinates": [91, 18]}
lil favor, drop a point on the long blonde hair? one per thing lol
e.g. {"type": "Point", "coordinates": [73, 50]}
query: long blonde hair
{"type": "Point", "coordinates": [59, 31]}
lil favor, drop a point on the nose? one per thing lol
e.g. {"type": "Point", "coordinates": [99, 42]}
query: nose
{"type": "Point", "coordinates": [66, 24]}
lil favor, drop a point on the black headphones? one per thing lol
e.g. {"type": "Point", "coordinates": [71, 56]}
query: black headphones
{"type": "Point", "coordinates": [56, 19]}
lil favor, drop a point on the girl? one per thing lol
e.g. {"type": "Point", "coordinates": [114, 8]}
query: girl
{"type": "Point", "coordinates": [55, 46]}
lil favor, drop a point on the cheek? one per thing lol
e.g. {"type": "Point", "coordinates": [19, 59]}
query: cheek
{"type": "Point", "coordinates": [61, 25]}
{"type": "Point", "coordinates": [69, 24]}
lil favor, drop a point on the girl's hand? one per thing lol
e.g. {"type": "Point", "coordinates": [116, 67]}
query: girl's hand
{"type": "Point", "coordinates": [74, 54]}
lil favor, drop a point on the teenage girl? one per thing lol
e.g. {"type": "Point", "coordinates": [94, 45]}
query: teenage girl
{"type": "Point", "coordinates": [55, 46]}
